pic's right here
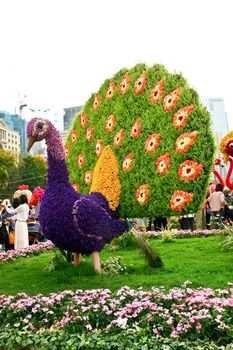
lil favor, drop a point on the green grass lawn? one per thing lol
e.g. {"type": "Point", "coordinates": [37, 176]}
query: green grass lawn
{"type": "Point", "coordinates": [195, 259]}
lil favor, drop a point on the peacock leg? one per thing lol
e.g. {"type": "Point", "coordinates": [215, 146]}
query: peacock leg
{"type": "Point", "coordinates": [96, 261]}
{"type": "Point", "coordinates": [77, 258]}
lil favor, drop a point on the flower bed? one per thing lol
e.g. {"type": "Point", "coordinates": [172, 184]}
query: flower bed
{"type": "Point", "coordinates": [34, 249]}
{"type": "Point", "coordinates": [181, 313]}
{"type": "Point", "coordinates": [187, 233]}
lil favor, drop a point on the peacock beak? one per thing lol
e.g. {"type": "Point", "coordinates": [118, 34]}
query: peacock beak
{"type": "Point", "coordinates": [31, 141]}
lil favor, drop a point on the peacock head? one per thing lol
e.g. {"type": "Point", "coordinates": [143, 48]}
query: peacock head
{"type": "Point", "coordinates": [37, 130]}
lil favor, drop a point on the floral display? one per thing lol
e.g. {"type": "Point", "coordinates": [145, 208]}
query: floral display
{"type": "Point", "coordinates": [142, 194]}
{"type": "Point", "coordinates": [110, 123]}
{"type": "Point", "coordinates": [185, 141]}
{"type": "Point", "coordinates": [152, 143]}
{"type": "Point", "coordinates": [226, 146]}
{"type": "Point", "coordinates": [170, 101]}
{"type": "Point", "coordinates": [136, 129]}
{"type": "Point", "coordinates": [111, 90]}
{"type": "Point", "coordinates": [118, 138]}
{"type": "Point", "coordinates": [73, 136]}
{"type": "Point", "coordinates": [124, 84]}
{"type": "Point", "coordinates": [163, 163]}
{"type": "Point", "coordinates": [127, 163]}
{"type": "Point", "coordinates": [140, 83]}
{"type": "Point", "coordinates": [96, 102]}
{"type": "Point", "coordinates": [83, 120]}
{"type": "Point", "coordinates": [179, 199]}
{"type": "Point", "coordinates": [181, 116]}
{"type": "Point", "coordinates": [67, 151]}
{"type": "Point", "coordinates": [157, 92]}
{"type": "Point", "coordinates": [81, 160]}
{"type": "Point", "coordinates": [88, 177]}
{"type": "Point", "coordinates": [99, 147]}
{"type": "Point", "coordinates": [189, 170]}
{"type": "Point", "coordinates": [89, 134]}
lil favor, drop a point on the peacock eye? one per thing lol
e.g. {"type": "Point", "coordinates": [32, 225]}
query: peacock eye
{"type": "Point", "coordinates": [231, 145]}
{"type": "Point", "coordinates": [40, 126]}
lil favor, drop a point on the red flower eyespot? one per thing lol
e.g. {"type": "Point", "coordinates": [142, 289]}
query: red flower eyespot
{"type": "Point", "coordinates": [163, 164]}
{"type": "Point", "coordinates": [170, 101]}
{"type": "Point", "coordinates": [118, 138]}
{"type": "Point", "coordinates": [142, 194]}
{"type": "Point", "coordinates": [127, 163]}
{"type": "Point", "coordinates": [136, 129]}
{"type": "Point", "coordinates": [157, 92]}
{"type": "Point", "coordinates": [140, 84]}
{"type": "Point", "coordinates": [181, 116]}
{"type": "Point", "coordinates": [81, 160]}
{"type": "Point", "coordinates": [179, 199]}
{"type": "Point", "coordinates": [111, 90]}
{"type": "Point", "coordinates": [83, 119]}
{"type": "Point", "coordinates": [99, 147]}
{"type": "Point", "coordinates": [124, 85]}
{"type": "Point", "coordinates": [89, 134]}
{"type": "Point", "coordinates": [152, 143]}
{"type": "Point", "coordinates": [76, 186]}
{"type": "Point", "coordinates": [185, 141]}
{"type": "Point", "coordinates": [96, 102]}
{"type": "Point", "coordinates": [88, 177]}
{"type": "Point", "coordinates": [67, 151]}
{"type": "Point", "coordinates": [73, 136]}
{"type": "Point", "coordinates": [189, 170]}
{"type": "Point", "coordinates": [110, 123]}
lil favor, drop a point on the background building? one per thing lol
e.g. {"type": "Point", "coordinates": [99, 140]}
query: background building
{"type": "Point", "coordinates": [219, 125]}
{"type": "Point", "coordinates": [69, 116]}
{"type": "Point", "coordinates": [15, 122]}
{"type": "Point", "coordinates": [9, 139]}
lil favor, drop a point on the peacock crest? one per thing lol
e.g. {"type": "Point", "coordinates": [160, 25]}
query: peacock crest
{"type": "Point", "coordinates": [159, 137]}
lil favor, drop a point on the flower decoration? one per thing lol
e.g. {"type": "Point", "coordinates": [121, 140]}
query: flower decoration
{"type": "Point", "coordinates": [76, 186]}
{"type": "Point", "coordinates": [189, 170]}
{"type": "Point", "coordinates": [89, 134]}
{"type": "Point", "coordinates": [99, 147]}
{"type": "Point", "coordinates": [110, 123]}
{"type": "Point", "coordinates": [185, 141]}
{"type": "Point", "coordinates": [163, 163]}
{"type": "Point", "coordinates": [171, 100]}
{"type": "Point", "coordinates": [118, 138]}
{"type": "Point", "coordinates": [127, 163]}
{"type": "Point", "coordinates": [142, 194]}
{"type": "Point", "coordinates": [136, 129]}
{"type": "Point", "coordinates": [226, 146]}
{"type": "Point", "coordinates": [111, 90]}
{"type": "Point", "coordinates": [157, 92]}
{"type": "Point", "coordinates": [96, 102]}
{"type": "Point", "coordinates": [152, 143]}
{"type": "Point", "coordinates": [81, 160]}
{"type": "Point", "coordinates": [67, 151]}
{"type": "Point", "coordinates": [179, 199]}
{"type": "Point", "coordinates": [140, 83]}
{"type": "Point", "coordinates": [73, 136]}
{"type": "Point", "coordinates": [83, 120]}
{"type": "Point", "coordinates": [88, 177]}
{"type": "Point", "coordinates": [124, 85]}
{"type": "Point", "coordinates": [181, 116]}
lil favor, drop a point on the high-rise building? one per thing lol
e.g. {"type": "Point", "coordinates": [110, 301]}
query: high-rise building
{"type": "Point", "coordinates": [69, 116]}
{"type": "Point", "coordinates": [15, 122]}
{"type": "Point", "coordinates": [219, 125]}
{"type": "Point", "coordinates": [9, 139]}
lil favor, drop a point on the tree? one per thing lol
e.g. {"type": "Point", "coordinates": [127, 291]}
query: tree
{"type": "Point", "coordinates": [32, 171]}
{"type": "Point", "coordinates": [7, 167]}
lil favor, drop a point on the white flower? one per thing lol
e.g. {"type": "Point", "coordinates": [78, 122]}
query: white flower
{"type": "Point", "coordinates": [121, 322]}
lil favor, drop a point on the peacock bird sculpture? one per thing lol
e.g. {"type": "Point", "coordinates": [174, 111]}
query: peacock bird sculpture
{"type": "Point", "coordinates": [141, 146]}
{"type": "Point", "coordinates": [226, 148]}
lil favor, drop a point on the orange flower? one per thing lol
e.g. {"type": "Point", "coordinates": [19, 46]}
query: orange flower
{"type": "Point", "coordinates": [127, 162]}
{"type": "Point", "coordinates": [157, 93]}
{"type": "Point", "coordinates": [111, 90]}
{"type": "Point", "coordinates": [163, 163]}
{"type": "Point", "coordinates": [136, 129]}
{"type": "Point", "coordinates": [171, 100]}
{"type": "Point", "coordinates": [96, 102]}
{"type": "Point", "coordinates": [185, 141]}
{"type": "Point", "coordinates": [76, 186]}
{"type": "Point", "coordinates": [81, 160]}
{"type": "Point", "coordinates": [118, 138]}
{"type": "Point", "coordinates": [142, 194]}
{"type": "Point", "coordinates": [89, 134]}
{"type": "Point", "coordinates": [152, 143]}
{"type": "Point", "coordinates": [67, 151]}
{"type": "Point", "coordinates": [99, 147]}
{"type": "Point", "coordinates": [124, 85]}
{"type": "Point", "coordinates": [83, 119]}
{"type": "Point", "coordinates": [110, 123]}
{"type": "Point", "coordinates": [88, 177]}
{"type": "Point", "coordinates": [140, 83]}
{"type": "Point", "coordinates": [181, 116]}
{"type": "Point", "coordinates": [189, 170]}
{"type": "Point", "coordinates": [179, 199]}
{"type": "Point", "coordinates": [73, 136]}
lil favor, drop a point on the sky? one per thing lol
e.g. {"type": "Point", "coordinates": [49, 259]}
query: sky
{"type": "Point", "coordinates": [58, 52]}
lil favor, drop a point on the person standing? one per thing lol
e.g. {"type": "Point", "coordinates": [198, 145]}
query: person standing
{"type": "Point", "coordinates": [217, 203]}
{"type": "Point", "coordinates": [21, 228]}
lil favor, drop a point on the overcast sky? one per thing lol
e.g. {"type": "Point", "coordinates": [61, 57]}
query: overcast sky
{"type": "Point", "coordinates": [58, 52]}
